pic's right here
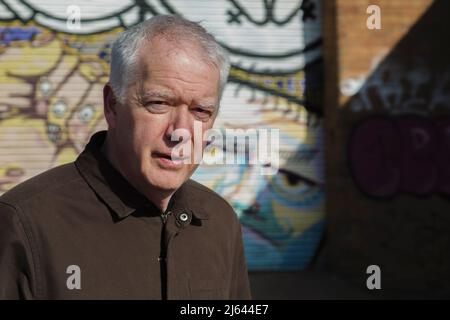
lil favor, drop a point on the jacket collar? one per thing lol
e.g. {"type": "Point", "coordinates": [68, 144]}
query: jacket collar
{"type": "Point", "coordinates": [118, 194]}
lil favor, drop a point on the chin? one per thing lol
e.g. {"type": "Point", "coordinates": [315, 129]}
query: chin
{"type": "Point", "coordinates": [167, 181]}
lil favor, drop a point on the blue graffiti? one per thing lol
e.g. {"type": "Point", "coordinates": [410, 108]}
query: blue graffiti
{"type": "Point", "coordinates": [9, 34]}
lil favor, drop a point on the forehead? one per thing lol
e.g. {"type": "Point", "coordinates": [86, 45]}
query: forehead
{"type": "Point", "coordinates": [161, 52]}
{"type": "Point", "coordinates": [177, 65]}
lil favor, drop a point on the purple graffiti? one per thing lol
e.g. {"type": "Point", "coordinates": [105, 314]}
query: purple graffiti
{"type": "Point", "coordinates": [408, 154]}
{"type": "Point", "coordinates": [443, 160]}
{"type": "Point", "coordinates": [17, 34]}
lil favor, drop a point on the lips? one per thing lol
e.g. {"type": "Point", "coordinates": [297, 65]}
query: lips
{"type": "Point", "coordinates": [168, 156]}
{"type": "Point", "coordinates": [166, 160]}
{"type": "Point", "coordinates": [162, 155]}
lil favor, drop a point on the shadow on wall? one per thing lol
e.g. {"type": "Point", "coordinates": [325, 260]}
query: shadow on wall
{"type": "Point", "coordinates": [394, 175]}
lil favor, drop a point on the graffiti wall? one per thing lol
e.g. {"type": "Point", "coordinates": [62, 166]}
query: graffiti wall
{"type": "Point", "coordinates": [407, 154]}
{"type": "Point", "coordinates": [388, 148]}
{"type": "Point", "coordinates": [54, 59]}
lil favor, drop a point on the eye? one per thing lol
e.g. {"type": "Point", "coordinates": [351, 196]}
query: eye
{"type": "Point", "coordinates": [294, 187]}
{"type": "Point", "coordinates": [45, 86]}
{"type": "Point", "coordinates": [156, 106]}
{"type": "Point", "coordinates": [202, 113]}
{"type": "Point", "coordinates": [59, 109]}
{"type": "Point", "coordinates": [86, 113]}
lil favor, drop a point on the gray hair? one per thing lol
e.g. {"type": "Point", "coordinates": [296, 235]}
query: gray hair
{"type": "Point", "coordinates": [125, 49]}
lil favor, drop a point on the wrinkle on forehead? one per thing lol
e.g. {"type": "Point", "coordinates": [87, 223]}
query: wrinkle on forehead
{"type": "Point", "coordinates": [185, 50]}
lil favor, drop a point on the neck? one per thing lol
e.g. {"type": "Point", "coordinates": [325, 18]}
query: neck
{"type": "Point", "coordinates": [162, 202]}
{"type": "Point", "coordinates": [160, 198]}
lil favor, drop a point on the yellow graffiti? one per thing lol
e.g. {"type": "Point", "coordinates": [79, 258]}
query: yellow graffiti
{"type": "Point", "coordinates": [50, 99]}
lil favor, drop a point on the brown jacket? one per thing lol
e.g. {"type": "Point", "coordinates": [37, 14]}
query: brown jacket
{"type": "Point", "coordinates": [81, 231]}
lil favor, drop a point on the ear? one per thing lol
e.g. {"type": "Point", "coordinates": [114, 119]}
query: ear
{"type": "Point", "coordinates": [110, 104]}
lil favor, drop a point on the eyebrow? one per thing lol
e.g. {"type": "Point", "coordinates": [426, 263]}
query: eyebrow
{"type": "Point", "coordinates": [207, 105]}
{"type": "Point", "coordinates": [169, 95]}
{"type": "Point", "coordinates": [163, 94]}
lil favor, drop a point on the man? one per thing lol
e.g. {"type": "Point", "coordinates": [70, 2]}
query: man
{"type": "Point", "coordinates": [124, 221]}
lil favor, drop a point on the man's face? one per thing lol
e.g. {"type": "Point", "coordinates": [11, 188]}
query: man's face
{"type": "Point", "coordinates": [175, 87]}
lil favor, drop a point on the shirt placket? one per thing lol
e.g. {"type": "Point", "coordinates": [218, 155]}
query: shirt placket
{"type": "Point", "coordinates": [174, 223]}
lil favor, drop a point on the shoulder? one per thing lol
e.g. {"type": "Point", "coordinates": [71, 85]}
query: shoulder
{"type": "Point", "coordinates": [213, 204]}
{"type": "Point", "coordinates": [43, 185]}
{"type": "Point", "coordinates": [203, 191]}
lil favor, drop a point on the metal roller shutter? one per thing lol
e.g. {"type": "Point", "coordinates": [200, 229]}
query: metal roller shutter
{"type": "Point", "coordinates": [53, 67]}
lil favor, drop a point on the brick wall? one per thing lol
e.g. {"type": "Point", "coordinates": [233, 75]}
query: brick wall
{"type": "Point", "coordinates": [387, 144]}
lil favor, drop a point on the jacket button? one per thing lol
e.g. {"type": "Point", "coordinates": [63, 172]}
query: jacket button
{"type": "Point", "coordinates": [184, 217]}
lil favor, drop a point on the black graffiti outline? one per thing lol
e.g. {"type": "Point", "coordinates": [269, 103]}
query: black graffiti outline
{"type": "Point", "coordinates": [288, 54]}
{"type": "Point", "coordinates": [148, 8]}
{"type": "Point", "coordinates": [252, 54]}
{"type": "Point", "coordinates": [238, 11]}
{"type": "Point", "coordinates": [310, 107]}
{"type": "Point", "coordinates": [142, 5]}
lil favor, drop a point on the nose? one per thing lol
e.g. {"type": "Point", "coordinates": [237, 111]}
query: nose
{"type": "Point", "coordinates": [179, 125]}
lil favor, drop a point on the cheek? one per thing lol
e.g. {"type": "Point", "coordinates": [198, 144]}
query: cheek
{"type": "Point", "coordinates": [147, 134]}
{"type": "Point", "coordinates": [142, 139]}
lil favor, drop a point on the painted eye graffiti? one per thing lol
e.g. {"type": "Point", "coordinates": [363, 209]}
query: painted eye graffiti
{"type": "Point", "coordinates": [59, 109]}
{"type": "Point", "coordinates": [294, 188]}
{"type": "Point", "coordinates": [45, 87]}
{"type": "Point", "coordinates": [86, 113]}
{"type": "Point", "coordinates": [292, 179]}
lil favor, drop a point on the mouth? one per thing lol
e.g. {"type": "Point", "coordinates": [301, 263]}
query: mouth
{"type": "Point", "coordinates": [167, 161]}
